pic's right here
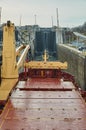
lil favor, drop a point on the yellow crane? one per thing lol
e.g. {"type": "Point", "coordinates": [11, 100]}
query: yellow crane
{"type": "Point", "coordinates": [10, 67]}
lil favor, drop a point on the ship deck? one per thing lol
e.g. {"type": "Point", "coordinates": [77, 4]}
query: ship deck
{"type": "Point", "coordinates": [34, 105]}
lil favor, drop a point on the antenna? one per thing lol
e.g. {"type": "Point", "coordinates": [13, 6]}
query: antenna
{"type": "Point", "coordinates": [0, 14]}
{"type": "Point", "coordinates": [57, 18]}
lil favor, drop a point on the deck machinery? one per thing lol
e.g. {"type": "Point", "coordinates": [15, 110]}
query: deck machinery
{"type": "Point", "coordinates": [42, 97]}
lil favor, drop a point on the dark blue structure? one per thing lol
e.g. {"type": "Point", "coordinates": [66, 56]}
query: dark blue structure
{"type": "Point", "coordinates": [45, 39]}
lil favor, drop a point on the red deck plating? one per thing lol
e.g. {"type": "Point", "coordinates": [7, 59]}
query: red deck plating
{"type": "Point", "coordinates": [44, 110]}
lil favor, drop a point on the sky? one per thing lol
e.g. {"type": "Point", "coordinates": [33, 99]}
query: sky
{"type": "Point", "coordinates": [71, 13]}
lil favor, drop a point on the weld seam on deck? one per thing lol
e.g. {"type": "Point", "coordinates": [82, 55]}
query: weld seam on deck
{"type": "Point", "coordinates": [42, 98]}
{"type": "Point", "coordinates": [45, 89]}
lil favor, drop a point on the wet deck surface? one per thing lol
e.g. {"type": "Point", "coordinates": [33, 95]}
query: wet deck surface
{"type": "Point", "coordinates": [44, 110]}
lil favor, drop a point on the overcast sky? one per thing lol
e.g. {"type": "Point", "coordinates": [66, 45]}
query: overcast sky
{"type": "Point", "coordinates": [71, 12]}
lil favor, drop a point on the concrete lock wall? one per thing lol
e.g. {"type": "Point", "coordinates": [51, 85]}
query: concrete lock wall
{"type": "Point", "coordinates": [76, 63]}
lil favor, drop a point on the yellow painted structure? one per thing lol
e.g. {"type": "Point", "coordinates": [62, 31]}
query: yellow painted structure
{"type": "Point", "coordinates": [9, 65]}
{"type": "Point", "coordinates": [9, 72]}
{"type": "Point", "coordinates": [46, 65]}
{"type": "Point", "coordinates": [45, 56]}
{"type": "Point", "coordinates": [6, 88]}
